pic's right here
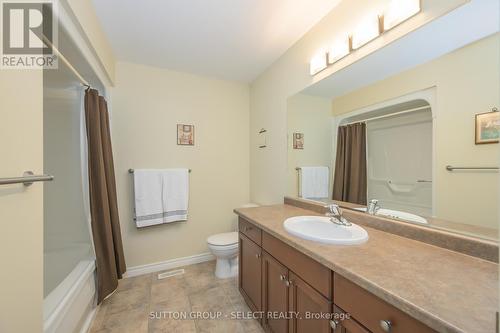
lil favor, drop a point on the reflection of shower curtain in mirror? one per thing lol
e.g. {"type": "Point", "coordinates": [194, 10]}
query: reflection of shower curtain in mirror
{"type": "Point", "coordinates": [350, 164]}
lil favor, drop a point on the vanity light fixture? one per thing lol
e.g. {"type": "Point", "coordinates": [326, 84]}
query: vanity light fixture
{"type": "Point", "coordinates": [339, 49]}
{"type": "Point", "coordinates": [372, 27]}
{"type": "Point", "coordinates": [367, 31]}
{"type": "Point", "coordinates": [318, 63]}
{"type": "Point", "coordinates": [399, 11]}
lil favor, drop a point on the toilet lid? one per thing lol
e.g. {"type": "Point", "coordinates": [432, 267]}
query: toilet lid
{"type": "Point", "coordinates": [226, 238]}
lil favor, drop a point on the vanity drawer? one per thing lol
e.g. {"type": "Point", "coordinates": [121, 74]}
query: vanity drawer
{"type": "Point", "coordinates": [370, 310]}
{"type": "Point", "coordinates": [316, 275]}
{"type": "Point", "coordinates": [250, 230]}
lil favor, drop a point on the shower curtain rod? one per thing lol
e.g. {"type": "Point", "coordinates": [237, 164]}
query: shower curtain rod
{"type": "Point", "coordinates": [387, 115]}
{"type": "Point", "coordinates": [66, 61]}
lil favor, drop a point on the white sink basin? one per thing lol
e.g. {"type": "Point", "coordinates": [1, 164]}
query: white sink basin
{"type": "Point", "coordinates": [321, 229]}
{"type": "Point", "coordinates": [399, 215]}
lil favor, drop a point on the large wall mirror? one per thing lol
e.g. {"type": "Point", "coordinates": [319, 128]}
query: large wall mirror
{"type": "Point", "coordinates": [420, 146]}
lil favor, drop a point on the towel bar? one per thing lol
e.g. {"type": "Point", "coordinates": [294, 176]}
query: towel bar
{"type": "Point", "coordinates": [451, 168]}
{"type": "Point", "coordinates": [132, 170]}
{"type": "Point", "coordinates": [27, 179]}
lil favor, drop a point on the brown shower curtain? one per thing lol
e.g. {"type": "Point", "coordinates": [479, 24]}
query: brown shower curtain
{"type": "Point", "coordinates": [103, 202]}
{"type": "Point", "coordinates": [349, 182]}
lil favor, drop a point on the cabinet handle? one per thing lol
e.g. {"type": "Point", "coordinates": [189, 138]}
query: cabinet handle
{"type": "Point", "coordinates": [334, 323]}
{"type": "Point", "coordinates": [288, 283]}
{"type": "Point", "coordinates": [386, 325]}
{"type": "Point", "coordinates": [282, 277]}
{"type": "Point", "coordinates": [257, 255]}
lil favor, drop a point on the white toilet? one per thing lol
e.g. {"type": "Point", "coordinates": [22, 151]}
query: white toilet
{"type": "Point", "coordinates": [224, 247]}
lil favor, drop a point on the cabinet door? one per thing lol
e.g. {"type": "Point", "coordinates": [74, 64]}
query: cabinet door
{"type": "Point", "coordinates": [343, 324]}
{"type": "Point", "coordinates": [312, 309]}
{"type": "Point", "coordinates": [250, 272]}
{"type": "Point", "coordinates": [274, 295]}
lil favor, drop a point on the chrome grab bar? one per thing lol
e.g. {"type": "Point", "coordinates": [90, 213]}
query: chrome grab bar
{"type": "Point", "coordinates": [451, 168]}
{"type": "Point", "coordinates": [27, 179]}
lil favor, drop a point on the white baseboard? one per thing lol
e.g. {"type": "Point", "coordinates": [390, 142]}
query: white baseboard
{"type": "Point", "coordinates": [168, 264]}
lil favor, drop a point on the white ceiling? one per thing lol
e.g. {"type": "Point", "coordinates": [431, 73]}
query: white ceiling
{"type": "Point", "coordinates": [228, 39]}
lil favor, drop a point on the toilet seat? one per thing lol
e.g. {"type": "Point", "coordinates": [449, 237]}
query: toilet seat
{"type": "Point", "coordinates": [226, 239]}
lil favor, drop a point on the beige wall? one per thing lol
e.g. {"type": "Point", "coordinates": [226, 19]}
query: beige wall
{"type": "Point", "coordinates": [312, 116]}
{"type": "Point", "coordinates": [21, 208]}
{"type": "Point", "coordinates": [290, 74]}
{"type": "Point", "coordinates": [147, 104]}
{"type": "Point", "coordinates": [466, 83]}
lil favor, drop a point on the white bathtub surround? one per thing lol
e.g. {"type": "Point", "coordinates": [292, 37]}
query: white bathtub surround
{"type": "Point", "coordinates": [161, 196]}
{"type": "Point", "coordinates": [70, 307]}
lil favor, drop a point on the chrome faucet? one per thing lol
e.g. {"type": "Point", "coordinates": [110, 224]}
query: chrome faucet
{"type": "Point", "coordinates": [373, 207]}
{"type": "Point", "coordinates": [335, 214]}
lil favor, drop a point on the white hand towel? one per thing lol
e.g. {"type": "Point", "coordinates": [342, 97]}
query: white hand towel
{"type": "Point", "coordinates": [314, 182]}
{"type": "Point", "coordinates": [175, 189]}
{"type": "Point", "coordinates": [148, 197]}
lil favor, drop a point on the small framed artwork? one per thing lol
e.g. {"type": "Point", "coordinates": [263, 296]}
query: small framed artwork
{"type": "Point", "coordinates": [298, 140]}
{"type": "Point", "coordinates": [185, 135]}
{"type": "Point", "coordinates": [488, 127]}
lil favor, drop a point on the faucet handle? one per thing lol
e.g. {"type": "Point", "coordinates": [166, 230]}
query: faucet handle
{"type": "Point", "coordinates": [334, 209]}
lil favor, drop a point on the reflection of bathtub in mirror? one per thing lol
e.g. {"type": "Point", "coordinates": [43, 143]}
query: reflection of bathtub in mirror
{"type": "Point", "coordinates": [398, 215]}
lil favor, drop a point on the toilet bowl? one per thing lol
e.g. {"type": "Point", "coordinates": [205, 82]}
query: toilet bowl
{"type": "Point", "coordinates": [225, 249]}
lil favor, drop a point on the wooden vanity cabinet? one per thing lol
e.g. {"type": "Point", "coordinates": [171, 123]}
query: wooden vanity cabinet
{"type": "Point", "coordinates": [285, 293]}
{"type": "Point", "coordinates": [250, 264]}
{"type": "Point", "coordinates": [373, 313]}
{"type": "Point", "coordinates": [280, 281]}
{"type": "Point", "coordinates": [268, 284]}
{"type": "Point", "coordinates": [275, 290]}
{"type": "Point", "coordinates": [305, 299]}
{"type": "Point", "coordinates": [348, 325]}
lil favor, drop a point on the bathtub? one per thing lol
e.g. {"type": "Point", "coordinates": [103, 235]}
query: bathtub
{"type": "Point", "coordinates": [69, 306]}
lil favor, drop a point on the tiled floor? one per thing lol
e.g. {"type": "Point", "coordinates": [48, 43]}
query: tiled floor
{"type": "Point", "coordinates": [145, 304]}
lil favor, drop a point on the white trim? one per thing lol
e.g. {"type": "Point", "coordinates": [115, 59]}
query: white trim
{"type": "Point", "coordinates": [168, 264]}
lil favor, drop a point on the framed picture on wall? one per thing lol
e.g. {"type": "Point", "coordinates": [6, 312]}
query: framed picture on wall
{"type": "Point", "coordinates": [298, 140]}
{"type": "Point", "coordinates": [185, 135]}
{"type": "Point", "coordinates": [488, 127]}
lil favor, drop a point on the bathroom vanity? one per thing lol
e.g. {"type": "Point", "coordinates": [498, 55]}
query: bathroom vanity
{"type": "Point", "coordinates": [388, 284]}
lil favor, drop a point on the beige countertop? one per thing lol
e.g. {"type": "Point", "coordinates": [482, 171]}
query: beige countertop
{"type": "Point", "coordinates": [447, 290]}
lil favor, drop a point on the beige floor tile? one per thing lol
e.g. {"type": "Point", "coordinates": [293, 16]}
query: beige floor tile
{"type": "Point", "coordinates": [137, 282]}
{"type": "Point", "coordinates": [219, 326]}
{"type": "Point", "coordinates": [130, 321]}
{"type": "Point", "coordinates": [145, 304]}
{"type": "Point", "coordinates": [202, 281]}
{"type": "Point", "coordinates": [172, 326]}
{"type": "Point", "coordinates": [165, 316]}
{"type": "Point", "coordinates": [168, 289]}
{"type": "Point", "coordinates": [122, 301]}
{"type": "Point", "coordinates": [212, 300]}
